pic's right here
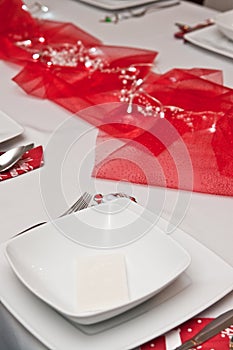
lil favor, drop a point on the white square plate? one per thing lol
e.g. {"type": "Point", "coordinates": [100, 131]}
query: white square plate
{"type": "Point", "coordinates": [8, 127]}
{"type": "Point", "coordinates": [46, 260]}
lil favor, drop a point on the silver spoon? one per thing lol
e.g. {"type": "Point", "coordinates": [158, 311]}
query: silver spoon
{"type": "Point", "coordinates": [9, 158]}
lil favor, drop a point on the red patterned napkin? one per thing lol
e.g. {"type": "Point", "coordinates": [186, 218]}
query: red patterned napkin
{"type": "Point", "coordinates": [30, 160]}
{"type": "Point", "coordinates": [187, 330]}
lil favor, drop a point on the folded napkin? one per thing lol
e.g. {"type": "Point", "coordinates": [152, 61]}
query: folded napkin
{"type": "Point", "coordinates": [187, 330]}
{"type": "Point", "coordinates": [172, 130]}
{"type": "Point", "coordinates": [29, 161]}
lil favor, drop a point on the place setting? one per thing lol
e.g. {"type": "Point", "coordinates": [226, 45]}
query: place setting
{"type": "Point", "coordinates": [105, 256]}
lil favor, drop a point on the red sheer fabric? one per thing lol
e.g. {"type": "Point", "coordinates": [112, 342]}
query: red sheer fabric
{"type": "Point", "coordinates": [173, 129]}
{"type": "Point", "coordinates": [190, 148]}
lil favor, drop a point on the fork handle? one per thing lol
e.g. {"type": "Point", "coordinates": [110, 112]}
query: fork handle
{"type": "Point", "coordinates": [30, 228]}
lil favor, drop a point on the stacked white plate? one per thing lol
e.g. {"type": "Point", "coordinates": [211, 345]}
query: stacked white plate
{"type": "Point", "coordinates": [106, 255]}
{"type": "Point", "coordinates": [165, 279]}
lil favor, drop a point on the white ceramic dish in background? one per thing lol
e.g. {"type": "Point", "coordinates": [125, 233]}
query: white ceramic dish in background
{"type": "Point", "coordinates": [194, 291]}
{"type": "Point", "coordinates": [45, 260]}
{"type": "Point", "coordinates": [119, 4]}
{"type": "Point", "coordinates": [8, 128]}
{"type": "Point", "coordinates": [224, 22]}
{"type": "Point", "coordinates": [210, 38]}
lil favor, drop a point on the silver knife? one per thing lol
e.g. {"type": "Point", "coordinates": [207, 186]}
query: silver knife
{"type": "Point", "coordinates": [223, 321]}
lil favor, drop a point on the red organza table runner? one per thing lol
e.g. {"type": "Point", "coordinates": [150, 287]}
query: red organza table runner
{"type": "Point", "coordinates": [174, 129]}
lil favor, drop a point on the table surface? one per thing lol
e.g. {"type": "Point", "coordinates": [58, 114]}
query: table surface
{"type": "Point", "coordinates": [24, 200]}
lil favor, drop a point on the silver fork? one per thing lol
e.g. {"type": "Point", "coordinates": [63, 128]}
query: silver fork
{"type": "Point", "coordinates": [80, 204]}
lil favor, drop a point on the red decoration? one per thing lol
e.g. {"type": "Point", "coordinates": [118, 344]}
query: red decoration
{"type": "Point", "coordinates": [175, 129]}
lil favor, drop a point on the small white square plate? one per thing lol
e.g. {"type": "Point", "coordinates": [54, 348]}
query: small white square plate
{"type": "Point", "coordinates": [8, 128]}
{"type": "Point", "coordinates": [45, 259]}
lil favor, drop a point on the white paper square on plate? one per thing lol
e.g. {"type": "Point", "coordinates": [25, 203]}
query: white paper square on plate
{"type": "Point", "coordinates": [101, 282]}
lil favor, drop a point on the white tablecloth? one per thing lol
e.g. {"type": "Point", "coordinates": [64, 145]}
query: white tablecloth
{"type": "Point", "coordinates": [24, 200]}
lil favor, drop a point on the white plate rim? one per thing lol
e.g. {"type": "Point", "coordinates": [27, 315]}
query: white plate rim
{"type": "Point", "coordinates": [9, 123]}
{"type": "Point", "coordinates": [119, 4]}
{"type": "Point", "coordinates": [198, 38]}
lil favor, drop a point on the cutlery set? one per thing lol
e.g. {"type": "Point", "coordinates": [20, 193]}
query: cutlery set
{"type": "Point", "coordinates": [9, 158]}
